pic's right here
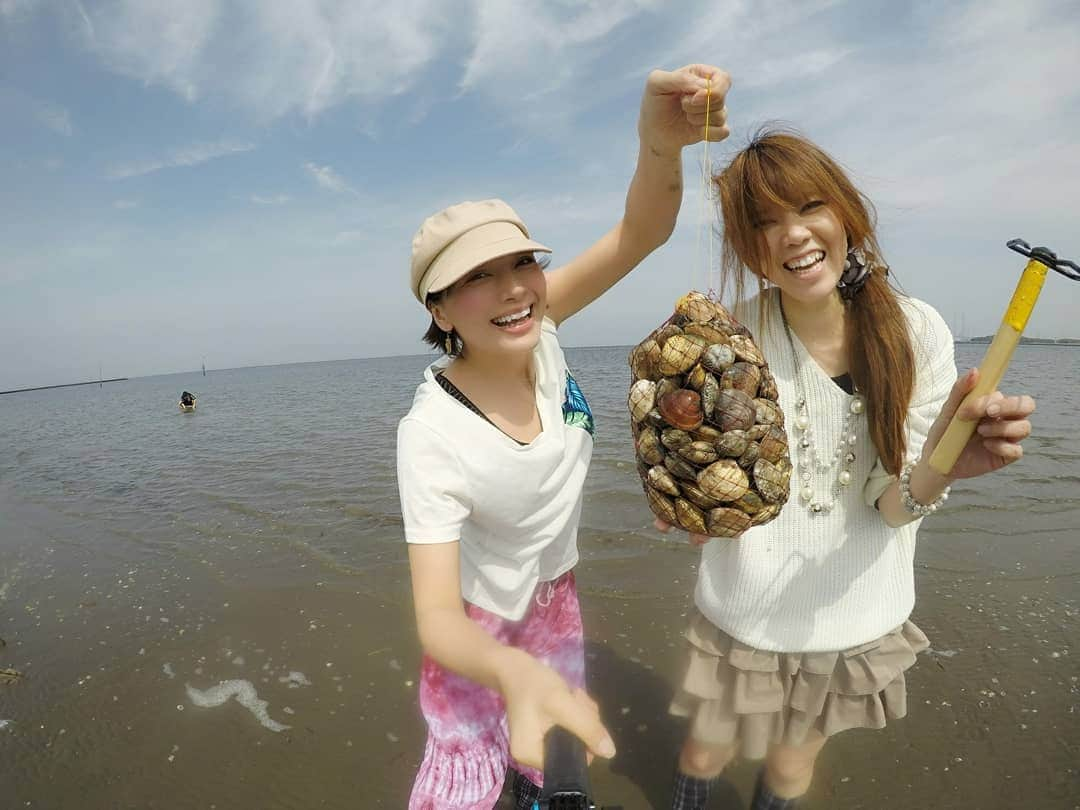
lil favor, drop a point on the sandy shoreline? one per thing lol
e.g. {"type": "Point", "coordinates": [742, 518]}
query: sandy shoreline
{"type": "Point", "coordinates": [103, 717]}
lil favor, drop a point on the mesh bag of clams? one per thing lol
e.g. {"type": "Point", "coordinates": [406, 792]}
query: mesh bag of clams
{"type": "Point", "coordinates": [709, 434]}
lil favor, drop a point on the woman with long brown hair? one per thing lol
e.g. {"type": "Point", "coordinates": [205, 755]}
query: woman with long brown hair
{"type": "Point", "coordinates": [802, 625]}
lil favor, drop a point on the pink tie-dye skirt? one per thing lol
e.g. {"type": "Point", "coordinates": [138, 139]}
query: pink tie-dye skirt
{"type": "Point", "coordinates": [468, 744]}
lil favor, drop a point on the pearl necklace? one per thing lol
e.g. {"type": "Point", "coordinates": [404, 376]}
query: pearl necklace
{"type": "Point", "coordinates": [809, 462]}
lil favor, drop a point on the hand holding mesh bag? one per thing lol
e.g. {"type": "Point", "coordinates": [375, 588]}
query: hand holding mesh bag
{"type": "Point", "coordinates": [709, 434]}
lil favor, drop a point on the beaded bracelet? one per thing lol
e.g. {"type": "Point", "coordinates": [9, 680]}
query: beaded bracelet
{"type": "Point", "coordinates": [912, 505]}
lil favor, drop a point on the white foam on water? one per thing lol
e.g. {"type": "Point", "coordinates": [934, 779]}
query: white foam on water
{"type": "Point", "coordinates": [246, 696]}
{"type": "Point", "coordinates": [4, 723]}
{"type": "Point", "coordinates": [295, 680]}
{"type": "Point", "coordinates": [167, 669]}
{"type": "Point", "coordinates": [942, 653]}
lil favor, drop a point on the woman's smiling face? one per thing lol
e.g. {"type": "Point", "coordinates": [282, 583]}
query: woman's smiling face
{"type": "Point", "coordinates": [805, 249]}
{"type": "Point", "coordinates": [497, 307]}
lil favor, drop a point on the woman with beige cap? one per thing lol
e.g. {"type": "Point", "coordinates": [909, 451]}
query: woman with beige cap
{"type": "Point", "coordinates": [492, 460]}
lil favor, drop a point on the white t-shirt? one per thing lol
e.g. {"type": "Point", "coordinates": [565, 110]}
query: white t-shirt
{"type": "Point", "coordinates": [828, 581]}
{"type": "Point", "coordinates": [514, 508]}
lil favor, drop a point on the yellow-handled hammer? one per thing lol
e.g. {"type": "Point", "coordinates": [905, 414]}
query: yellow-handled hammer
{"type": "Point", "coordinates": [992, 368]}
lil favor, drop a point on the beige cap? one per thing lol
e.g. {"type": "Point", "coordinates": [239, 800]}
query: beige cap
{"type": "Point", "coordinates": [452, 242]}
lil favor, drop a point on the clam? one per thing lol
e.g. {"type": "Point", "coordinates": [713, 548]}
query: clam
{"type": "Point", "coordinates": [662, 506]}
{"type": "Point", "coordinates": [695, 377]}
{"type": "Point", "coordinates": [645, 360]}
{"type": "Point", "coordinates": [673, 438]}
{"type": "Point", "coordinates": [707, 331]}
{"type": "Point", "coordinates": [694, 494]}
{"type": "Point", "coordinates": [680, 354]}
{"type": "Point", "coordinates": [682, 409]}
{"type": "Point", "coordinates": [745, 349]}
{"type": "Point", "coordinates": [743, 376]}
{"type": "Point", "coordinates": [690, 517]}
{"type": "Point", "coordinates": [750, 455]}
{"type": "Point", "coordinates": [751, 503]}
{"type": "Point", "coordinates": [766, 514]}
{"type": "Point", "coordinates": [726, 522]}
{"type": "Point", "coordinates": [767, 412]}
{"type": "Point", "coordinates": [709, 441]}
{"type": "Point", "coordinates": [664, 332]}
{"type": "Point", "coordinates": [768, 388]}
{"type": "Point", "coordinates": [717, 357]}
{"type": "Point", "coordinates": [734, 410]}
{"type": "Point", "coordinates": [699, 453]}
{"type": "Point", "coordinates": [710, 393]}
{"type": "Point", "coordinates": [681, 468]}
{"type": "Point", "coordinates": [660, 479]}
{"type": "Point", "coordinates": [732, 443]}
{"type": "Point", "coordinates": [696, 308]}
{"type": "Point", "coordinates": [705, 433]}
{"type": "Point", "coordinates": [642, 399]}
{"type": "Point", "coordinates": [648, 447]}
{"type": "Point", "coordinates": [774, 444]}
{"type": "Point", "coordinates": [772, 480]}
{"type": "Point", "coordinates": [724, 480]}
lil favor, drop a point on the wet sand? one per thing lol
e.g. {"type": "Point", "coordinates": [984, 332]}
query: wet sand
{"type": "Point", "coordinates": [104, 718]}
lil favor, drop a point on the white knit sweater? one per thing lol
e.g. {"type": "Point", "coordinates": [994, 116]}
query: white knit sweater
{"type": "Point", "coordinates": [828, 581]}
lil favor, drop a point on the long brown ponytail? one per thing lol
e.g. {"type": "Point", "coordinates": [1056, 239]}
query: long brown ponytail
{"type": "Point", "coordinates": [783, 168]}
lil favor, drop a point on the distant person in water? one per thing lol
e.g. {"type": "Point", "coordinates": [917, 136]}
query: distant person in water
{"type": "Point", "coordinates": [187, 399]}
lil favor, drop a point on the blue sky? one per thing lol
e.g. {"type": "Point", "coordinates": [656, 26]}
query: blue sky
{"type": "Point", "coordinates": [240, 180]}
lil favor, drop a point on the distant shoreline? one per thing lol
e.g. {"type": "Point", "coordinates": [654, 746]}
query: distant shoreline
{"type": "Point", "coordinates": [62, 385]}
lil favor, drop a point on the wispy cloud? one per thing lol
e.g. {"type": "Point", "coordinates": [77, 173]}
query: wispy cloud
{"type": "Point", "coordinates": [327, 178]}
{"type": "Point", "coordinates": [301, 57]}
{"type": "Point", "coordinates": [124, 205]}
{"type": "Point", "coordinates": [54, 117]}
{"type": "Point", "coordinates": [186, 156]}
{"type": "Point", "coordinates": [273, 199]}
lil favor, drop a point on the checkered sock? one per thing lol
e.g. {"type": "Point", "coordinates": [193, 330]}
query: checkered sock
{"type": "Point", "coordinates": [525, 792]}
{"type": "Point", "coordinates": [765, 799]}
{"type": "Point", "coordinates": [689, 792]}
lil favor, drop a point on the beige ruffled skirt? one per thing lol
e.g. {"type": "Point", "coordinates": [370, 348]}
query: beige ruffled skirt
{"type": "Point", "coordinates": [735, 693]}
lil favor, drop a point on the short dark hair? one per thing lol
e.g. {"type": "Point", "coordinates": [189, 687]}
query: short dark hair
{"type": "Point", "coordinates": [436, 337]}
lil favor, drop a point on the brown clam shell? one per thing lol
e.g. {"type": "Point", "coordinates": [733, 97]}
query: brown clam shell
{"type": "Point", "coordinates": [767, 388]}
{"type": "Point", "coordinates": [666, 331]}
{"type": "Point", "coordinates": [690, 517]}
{"type": "Point", "coordinates": [745, 349]}
{"type": "Point", "coordinates": [648, 446]}
{"type": "Point", "coordinates": [696, 308]}
{"type": "Point", "coordinates": [774, 444]}
{"type": "Point", "coordinates": [699, 453]}
{"type": "Point", "coordinates": [694, 494]}
{"type": "Point", "coordinates": [732, 444]}
{"type": "Point", "coordinates": [743, 376]}
{"type": "Point", "coordinates": [750, 455]}
{"type": "Point", "coordinates": [767, 412]}
{"type": "Point", "coordinates": [673, 438]}
{"type": "Point", "coordinates": [682, 409]}
{"type": "Point", "coordinates": [734, 410]}
{"type": "Point", "coordinates": [726, 522]}
{"type": "Point", "coordinates": [645, 360]}
{"type": "Point", "coordinates": [772, 480]}
{"type": "Point", "coordinates": [680, 354]}
{"type": "Point", "coordinates": [641, 400]}
{"type": "Point", "coordinates": [661, 479]}
{"type": "Point", "coordinates": [766, 514]}
{"type": "Point", "coordinates": [707, 331]}
{"type": "Point", "coordinates": [707, 433]}
{"type": "Point", "coordinates": [681, 468]}
{"type": "Point", "coordinates": [723, 480]}
{"type": "Point", "coordinates": [695, 377]}
{"type": "Point", "coordinates": [751, 503]}
{"type": "Point", "coordinates": [710, 394]}
{"type": "Point", "coordinates": [717, 357]}
{"type": "Point", "coordinates": [662, 506]}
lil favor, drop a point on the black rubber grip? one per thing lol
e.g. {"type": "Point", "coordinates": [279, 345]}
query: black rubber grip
{"type": "Point", "coordinates": [565, 768]}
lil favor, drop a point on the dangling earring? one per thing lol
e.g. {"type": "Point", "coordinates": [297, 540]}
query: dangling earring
{"type": "Point", "coordinates": [448, 344]}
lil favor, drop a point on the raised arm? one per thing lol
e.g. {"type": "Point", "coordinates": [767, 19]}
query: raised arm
{"type": "Point", "coordinates": [672, 117]}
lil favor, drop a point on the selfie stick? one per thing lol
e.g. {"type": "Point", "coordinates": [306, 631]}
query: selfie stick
{"type": "Point", "coordinates": [992, 368]}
